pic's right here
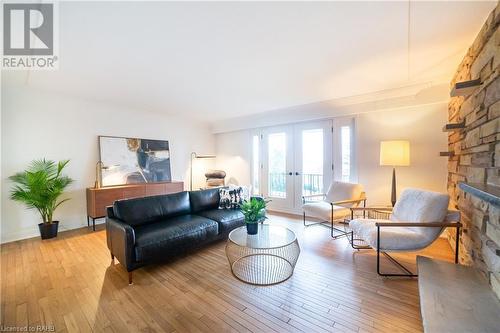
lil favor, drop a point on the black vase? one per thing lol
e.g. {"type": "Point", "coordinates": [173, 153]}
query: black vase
{"type": "Point", "coordinates": [48, 230]}
{"type": "Point", "coordinates": [252, 228]}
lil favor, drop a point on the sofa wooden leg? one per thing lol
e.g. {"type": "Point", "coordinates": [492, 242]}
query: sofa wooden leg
{"type": "Point", "coordinates": [129, 278]}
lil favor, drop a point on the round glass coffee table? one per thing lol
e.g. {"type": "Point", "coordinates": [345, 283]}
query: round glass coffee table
{"type": "Point", "coordinates": [268, 257]}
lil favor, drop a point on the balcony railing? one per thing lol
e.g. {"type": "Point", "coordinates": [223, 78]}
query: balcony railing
{"type": "Point", "coordinates": [311, 184]}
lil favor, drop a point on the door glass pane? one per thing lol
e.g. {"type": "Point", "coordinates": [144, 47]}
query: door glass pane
{"type": "Point", "coordinates": [312, 161]}
{"type": "Point", "coordinates": [255, 165]}
{"type": "Point", "coordinates": [345, 138]}
{"type": "Point", "coordinates": [277, 165]}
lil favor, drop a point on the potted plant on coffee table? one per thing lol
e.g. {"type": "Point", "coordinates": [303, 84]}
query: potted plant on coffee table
{"type": "Point", "coordinates": [254, 211]}
{"type": "Point", "coordinates": [39, 187]}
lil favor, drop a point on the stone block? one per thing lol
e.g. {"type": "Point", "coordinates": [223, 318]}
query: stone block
{"type": "Point", "coordinates": [490, 139]}
{"type": "Point", "coordinates": [477, 98]}
{"type": "Point", "coordinates": [487, 70]}
{"type": "Point", "coordinates": [484, 57]}
{"type": "Point", "coordinates": [453, 137]}
{"type": "Point", "coordinates": [492, 92]}
{"type": "Point", "coordinates": [452, 166]}
{"type": "Point", "coordinates": [472, 138]}
{"type": "Point", "coordinates": [495, 283]}
{"type": "Point", "coordinates": [478, 149]}
{"type": "Point", "coordinates": [494, 215]}
{"type": "Point", "coordinates": [479, 204]}
{"type": "Point", "coordinates": [493, 176]}
{"type": "Point", "coordinates": [493, 233]}
{"type": "Point", "coordinates": [465, 108]}
{"type": "Point", "coordinates": [494, 109]}
{"type": "Point", "coordinates": [466, 159]}
{"type": "Point", "coordinates": [475, 118]}
{"type": "Point", "coordinates": [497, 155]}
{"type": "Point", "coordinates": [479, 220]}
{"type": "Point", "coordinates": [484, 159]}
{"type": "Point", "coordinates": [475, 175]}
{"type": "Point", "coordinates": [491, 127]}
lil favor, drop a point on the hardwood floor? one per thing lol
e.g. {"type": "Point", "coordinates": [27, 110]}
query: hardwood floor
{"type": "Point", "coordinates": [70, 283]}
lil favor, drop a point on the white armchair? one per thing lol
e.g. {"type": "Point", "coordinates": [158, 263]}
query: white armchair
{"type": "Point", "coordinates": [334, 205]}
{"type": "Point", "coordinates": [417, 220]}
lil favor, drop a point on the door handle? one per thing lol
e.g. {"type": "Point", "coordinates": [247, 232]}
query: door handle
{"type": "Point", "coordinates": [290, 173]}
{"type": "Point", "coordinates": [297, 174]}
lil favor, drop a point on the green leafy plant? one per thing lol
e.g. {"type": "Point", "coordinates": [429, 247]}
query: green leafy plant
{"type": "Point", "coordinates": [40, 186]}
{"type": "Point", "coordinates": [254, 210]}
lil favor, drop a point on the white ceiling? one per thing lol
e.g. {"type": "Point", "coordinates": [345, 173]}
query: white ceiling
{"type": "Point", "coordinates": [219, 60]}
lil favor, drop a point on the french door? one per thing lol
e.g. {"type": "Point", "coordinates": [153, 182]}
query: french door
{"type": "Point", "coordinates": [295, 160]}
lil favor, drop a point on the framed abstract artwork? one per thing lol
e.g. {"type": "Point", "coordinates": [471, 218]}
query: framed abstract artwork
{"type": "Point", "coordinates": [133, 160]}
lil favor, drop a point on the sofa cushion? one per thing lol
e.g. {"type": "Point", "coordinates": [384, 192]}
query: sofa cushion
{"type": "Point", "coordinates": [391, 238]}
{"type": "Point", "coordinates": [416, 205]}
{"type": "Point", "coordinates": [323, 210]}
{"type": "Point", "coordinates": [204, 199]}
{"type": "Point", "coordinates": [145, 210]}
{"type": "Point", "coordinates": [340, 191]}
{"type": "Point", "coordinates": [228, 219]}
{"type": "Point", "coordinates": [174, 235]}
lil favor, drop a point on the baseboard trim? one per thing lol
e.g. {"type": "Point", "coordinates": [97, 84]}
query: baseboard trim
{"type": "Point", "coordinates": [34, 232]}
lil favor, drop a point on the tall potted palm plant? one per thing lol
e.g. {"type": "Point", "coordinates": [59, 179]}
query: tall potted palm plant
{"type": "Point", "coordinates": [39, 187]}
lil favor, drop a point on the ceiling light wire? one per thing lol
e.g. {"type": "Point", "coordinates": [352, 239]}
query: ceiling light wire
{"type": "Point", "coordinates": [408, 41]}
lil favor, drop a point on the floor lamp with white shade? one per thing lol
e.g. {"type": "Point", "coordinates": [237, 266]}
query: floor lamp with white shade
{"type": "Point", "coordinates": [193, 157]}
{"type": "Point", "coordinates": [394, 153]}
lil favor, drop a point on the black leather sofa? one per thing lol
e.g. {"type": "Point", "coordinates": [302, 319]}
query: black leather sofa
{"type": "Point", "coordinates": [152, 229]}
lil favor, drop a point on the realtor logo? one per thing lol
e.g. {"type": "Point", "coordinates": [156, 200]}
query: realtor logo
{"type": "Point", "coordinates": [29, 36]}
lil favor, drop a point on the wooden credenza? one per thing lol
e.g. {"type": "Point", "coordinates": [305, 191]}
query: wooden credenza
{"type": "Point", "coordinates": [99, 198]}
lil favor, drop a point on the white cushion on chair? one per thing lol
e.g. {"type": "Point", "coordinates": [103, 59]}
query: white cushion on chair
{"type": "Point", "coordinates": [323, 210]}
{"type": "Point", "coordinates": [340, 191]}
{"type": "Point", "coordinates": [416, 205]}
{"type": "Point", "coordinates": [392, 238]}
{"type": "Point", "coordinates": [413, 206]}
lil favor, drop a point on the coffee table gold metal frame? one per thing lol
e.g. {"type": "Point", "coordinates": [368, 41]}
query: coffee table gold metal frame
{"type": "Point", "coordinates": [267, 258]}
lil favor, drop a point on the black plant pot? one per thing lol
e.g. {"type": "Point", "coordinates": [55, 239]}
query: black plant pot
{"type": "Point", "coordinates": [48, 230]}
{"type": "Point", "coordinates": [252, 228]}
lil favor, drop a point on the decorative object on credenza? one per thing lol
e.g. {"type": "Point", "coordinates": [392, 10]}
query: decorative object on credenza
{"type": "Point", "coordinates": [132, 161]}
{"type": "Point", "coordinates": [254, 211]}
{"type": "Point", "coordinates": [193, 157]}
{"type": "Point", "coordinates": [394, 153]}
{"type": "Point", "coordinates": [98, 172]}
{"type": "Point", "coordinates": [39, 187]}
{"type": "Point", "coordinates": [215, 178]}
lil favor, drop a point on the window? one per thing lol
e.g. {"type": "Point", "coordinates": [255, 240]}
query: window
{"type": "Point", "coordinates": [255, 165]}
{"type": "Point", "coordinates": [312, 161]}
{"type": "Point", "coordinates": [277, 165]}
{"type": "Point", "coordinates": [345, 143]}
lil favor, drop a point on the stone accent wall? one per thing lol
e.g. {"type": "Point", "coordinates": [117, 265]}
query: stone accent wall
{"type": "Point", "coordinates": [476, 151]}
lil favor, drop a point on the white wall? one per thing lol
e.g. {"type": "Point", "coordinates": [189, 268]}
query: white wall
{"type": "Point", "coordinates": [420, 125]}
{"type": "Point", "coordinates": [37, 125]}
{"type": "Point", "coordinates": [234, 155]}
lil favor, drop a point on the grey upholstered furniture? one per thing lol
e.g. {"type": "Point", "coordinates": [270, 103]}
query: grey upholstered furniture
{"type": "Point", "coordinates": [417, 220]}
{"type": "Point", "coordinates": [333, 206]}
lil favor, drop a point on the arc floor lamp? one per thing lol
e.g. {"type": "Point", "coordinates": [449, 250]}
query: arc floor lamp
{"type": "Point", "coordinates": [394, 153]}
{"type": "Point", "coordinates": [195, 156]}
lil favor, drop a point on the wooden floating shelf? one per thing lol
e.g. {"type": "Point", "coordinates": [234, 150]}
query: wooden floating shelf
{"type": "Point", "coordinates": [465, 88]}
{"type": "Point", "coordinates": [446, 153]}
{"type": "Point", "coordinates": [453, 126]}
